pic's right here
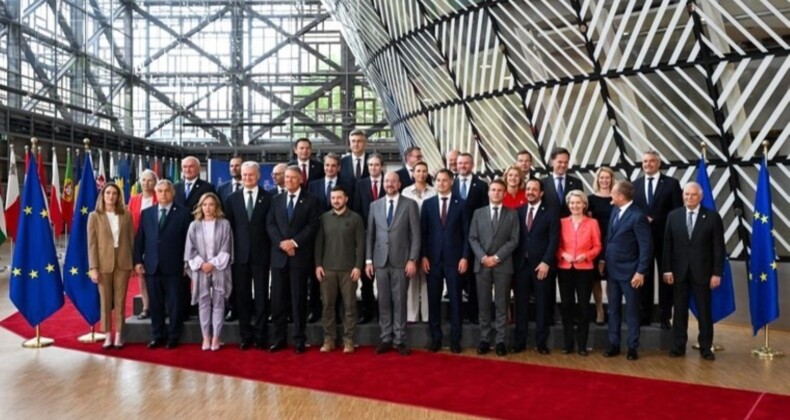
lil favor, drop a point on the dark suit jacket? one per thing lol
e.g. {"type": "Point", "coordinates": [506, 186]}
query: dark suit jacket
{"type": "Point", "coordinates": [302, 228]}
{"type": "Point", "coordinates": [447, 244]}
{"type": "Point", "coordinates": [225, 190]}
{"type": "Point", "coordinates": [199, 188]}
{"type": "Point", "coordinates": [363, 196]}
{"type": "Point", "coordinates": [539, 244]}
{"type": "Point", "coordinates": [347, 169]}
{"type": "Point", "coordinates": [702, 256]}
{"type": "Point", "coordinates": [318, 189]}
{"type": "Point", "coordinates": [550, 193]}
{"type": "Point", "coordinates": [251, 243]}
{"type": "Point", "coordinates": [667, 196]}
{"type": "Point", "coordinates": [316, 170]}
{"type": "Point", "coordinates": [629, 244]}
{"type": "Point", "coordinates": [162, 252]}
{"type": "Point", "coordinates": [406, 180]}
{"type": "Point", "coordinates": [476, 195]}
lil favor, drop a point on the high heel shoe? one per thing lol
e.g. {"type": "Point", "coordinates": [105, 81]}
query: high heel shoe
{"type": "Point", "coordinates": [215, 345]}
{"type": "Point", "coordinates": [107, 346]}
{"type": "Point", "coordinates": [206, 344]}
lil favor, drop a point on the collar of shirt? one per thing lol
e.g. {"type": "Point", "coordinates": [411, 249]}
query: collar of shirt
{"type": "Point", "coordinates": [695, 210]}
{"type": "Point", "coordinates": [166, 207]}
{"type": "Point", "coordinates": [254, 192]}
{"type": "Point", "coordinates": [295, 194]}
{"type": "Point", "coordinates": [448, 196]}
{"type": "Point", "coordinates": [535, 206]}
{"type": "Point", "coordinates": [332, 180]}
{"type": "Point", "coordinates": [625, 207]}
{"type": "Point", "coordinates": [303, 162]}
{"type": "Point", "coordinates": [499, 207]}
{"type": "Point", "coordinates": [394, 198]}
{"type": "Point", "coordinates": [377, 180]}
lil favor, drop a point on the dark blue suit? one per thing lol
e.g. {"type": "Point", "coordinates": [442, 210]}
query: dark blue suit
{"type": "Point", "coordinates": [199, 188]}
{"type": "Point", "coordinates": [629, 250]}
{"type": "Point", "coordinates": [347, 169]}
{"type": "Point", "coordinates": [318, 189]}
{"type": "Point", "coordinates": [162, 254]}
{"type": "Point", "coordinates": [291, 273]}
{"type": "Point", "coordinates": [535, 246]}
{"type": "Point", "coordinates": [476, 197]}
{"type": "Point", "coordinates": [444, 246]}
{"type": "Point", "coordinates": [225, 190]}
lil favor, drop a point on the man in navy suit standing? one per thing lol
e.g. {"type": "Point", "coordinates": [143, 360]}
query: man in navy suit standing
{"type": "Point", "coordinates": [474, 192]}
{"type": "Point", "coordinates": [246, 211]}
{"type": "Point", "coordinates": [629, 249]}
{"type": "Point", "coordinates": [535, 261]}
{"type": "Point", "coordinates": [159, 256]}
{"type": "Point", "coordinates": [656, 194]}
{"type": "Point", "coordinates": [189, 190]}
{"type": "Point", "coordinates": [445, 256]}
{"type": "Point", "coordinates": [292, 224]}
{"type": "Point", "coordinates": [353, 166]}
{"type": "Point", "coordinates": [311, 169]}
{"type": "Point", "coordinates": [234, 183]}
{"type": "Point", "coordinates": [558, 183]}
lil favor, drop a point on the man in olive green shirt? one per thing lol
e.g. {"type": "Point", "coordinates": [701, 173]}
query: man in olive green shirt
{"type": "Point", "coordinates": [339, 258]}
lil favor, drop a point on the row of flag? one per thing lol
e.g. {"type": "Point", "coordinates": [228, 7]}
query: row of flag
{"type": "Point", "coordinates": [37, 286]}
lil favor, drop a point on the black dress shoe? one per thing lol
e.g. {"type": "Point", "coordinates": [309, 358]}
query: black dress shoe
{"type": "Point", "coordinates": [542, 349]}
{"type": "Point", "coordinates": [280, 345]}
{"type": "Point", "coordinates": [435, 346]}
{"type": "Point", "coordinates": [708, 355]}
{"type": "Point", "coordinates": [632, 354]}
{"type": "Point", "coordinates": [455, 347]}
{"type": "Point", "coordinates": [261, 345]}
{"type": "Point", "coordinates": [313, 318]}
{"type": "Point", "coordinates": [231, 316]}
{"type": "Point", "coordinates": [364, 319]}
{"type": "Point", "coordinates": [300, 348]}
{"type": "Point", "coordinates": [666, 325]}
{"type": "Point", "coordinates": [474, 320]}
{"type": "Point", "coordinates": [518, 348]}
{"type": "Point", "coordinates": [245, 345]}
{"type": "Point", "coordinates": [484, 347]}
{"type": "Point", "coordinates": [567, 350]}
{"type": "Point", "coordinates": [383, 347]}
{"type": "Point", "coordinates": [677, 353]}
{"type": "Point", "coordinates": [644, 322]}
{"type": "Point", "coordinates": [612, 352]}
{"type": "Point", "coordinates": [171, 345]}
{"type": "Point", "coordinates": [153, 344]}
{"type": "Point", "coordinates": [501, 350]}
{"type": "Point", "coordinates": [583, 352]}
{"type": "Point", "coordinates": [403, 350]}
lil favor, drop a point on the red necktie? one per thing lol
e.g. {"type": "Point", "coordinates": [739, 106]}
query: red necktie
{"type": "Point", "coordinates": [304, 174]}
{"type": "Point", "coordinates": [375, 190]}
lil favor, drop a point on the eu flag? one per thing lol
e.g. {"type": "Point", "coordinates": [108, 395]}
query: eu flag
{"type": "Point", "coordinates": [79, 287]}
{"type": "Point", "coordinates": [722, 297]}
{"type": "Point", "coordinates": [763, 281]}
{"type": "Point", "coordinates": [36, 285]}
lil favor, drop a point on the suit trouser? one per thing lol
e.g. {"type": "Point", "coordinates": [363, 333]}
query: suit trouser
{"type": "Point", "coordinates": [251, 280]}
{"type": "Point", "coordinates": [417, 298]}
{"type": "Point", "coordinates": [291, 278]}
{"type": "Point", "coordinates": [211, 313]}
{"type": "Point", "coordinates": [391, 284]}
{"type": "Point", "coordinates": [436, 278]}
{"type": "Point", "coordinates": [575, 292]}
{"type": "Point", "coordinates": [112, 298]}
{"type": "Point", "coordinates": [166, 290]}
{"type": "Point", "coordinates": [615, 290]}
{"type": "Point", "coordinates": [501, 285]}
{"type": "Point", "coordinates": [334, 282]}
{"type": "Point", "coordinates": [702, 297]}
{"type": "Point", "coordinates": [526, 284]}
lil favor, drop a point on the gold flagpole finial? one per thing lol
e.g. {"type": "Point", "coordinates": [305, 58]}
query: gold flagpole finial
{"type": "Point", "coordinates": [765, 148]}
{"type": "Point", "coordinates": [34, 144]}
{"type": "Point", "coordinates": [704, 147]}
{"type": "Point", "coordinates": [87, 142]}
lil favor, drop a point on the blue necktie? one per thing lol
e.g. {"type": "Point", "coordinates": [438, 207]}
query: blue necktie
{"type": "Point", "coordinates": [690, 223]}
{"type": "Point", "coordinates": [187, 189]}
{"type": "Point", "coordinates": [290, 209]}
{"type": "Point", "coordinates": [463, 188]}
{"type": "Point", "coordinates": [560, 190]}
{"type": "Point", "coordinates": [390, 213]}
{"type": "Point", "coordinates": [616, 217]}
{"type": "Point", "coordinates": [328, 193]}
{"type": "Point", "coordinates": [650, 191]}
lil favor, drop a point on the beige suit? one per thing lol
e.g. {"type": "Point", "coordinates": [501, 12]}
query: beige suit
{"type": "Point", "coordinates": [113, 264]}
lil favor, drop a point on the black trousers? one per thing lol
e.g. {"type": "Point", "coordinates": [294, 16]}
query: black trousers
{"type": "Point", "coordinates": [526, 284]}
{"type": "Point", "coordinates": [166, 294]}
{"type": "Point", "coordinates": [702, 295]}
{"type": "Point", "coordinates": [575, 292]}
{"type": "Point", "coordinates": [251, 288]}
{"type": "Point", "coordinates": [290, 280]}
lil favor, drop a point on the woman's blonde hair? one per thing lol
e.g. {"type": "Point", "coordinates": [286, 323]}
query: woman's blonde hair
{"type": "Point", "coordinates": [577, 193]}
{"type": "Point", "coordinates": [198, 212]}
{"type": "Point", "coordinates": [520, 173]}
{"type": "Point", "coordinates": [602, 169]}
{"type": "Point", "coordinates": [120, 207]}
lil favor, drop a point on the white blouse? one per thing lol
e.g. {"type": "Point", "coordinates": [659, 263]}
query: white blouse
{"type": "Point", "coordinates": [115, 227]}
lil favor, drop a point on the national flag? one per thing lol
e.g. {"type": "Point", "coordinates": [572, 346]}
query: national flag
{"type": "Point", "coordinates": [12, 197]}
{"type": "Point", "coordinates": [101, 178]}
{"type": "Point", "coordinates": [67, 199]}
{"type": "Point", "coordinates": [722, 297]}
{"type": "Point", "coordinates": [77, 168]}
{"type": "Point", "coordinates": [79, 287]}
{"type": "Point", "coordinates": [27, 158]}
{"type": "Point", "coordinates": [41, 175]}
{"type": "Point", "coordinates": [55, 211]}
{"type": "Point", "coordinates": [172, 171]}
{"type": "Point", "coordinates": [178, 171]}
{"type": "Point", "coordinates": [763, 278]}
{"type": "Point", "coordinates": [156, 168]}
{"type": "Point", "coordinates": [36, 286]}
{"type": "Point", "coordinates": [113, 168]}
{"type": "Point", "coordinates": [125, 178]}
{"type": "Point", "coordinates": [3, 230]}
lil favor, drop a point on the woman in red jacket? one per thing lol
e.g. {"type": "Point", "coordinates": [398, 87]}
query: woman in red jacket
{"type": "Point", "coordinates": [137, 204]}
{"type": "Point", "coordinates": [580, 243]}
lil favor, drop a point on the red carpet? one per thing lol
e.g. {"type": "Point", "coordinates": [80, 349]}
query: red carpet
{"type": "Point", "coordinates": [468, 385]}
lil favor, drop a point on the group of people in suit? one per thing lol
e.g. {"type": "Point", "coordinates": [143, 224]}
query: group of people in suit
{"type": "Point", "coordinates": [327, 229]}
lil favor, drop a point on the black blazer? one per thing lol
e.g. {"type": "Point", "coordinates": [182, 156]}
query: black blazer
{"type": "Point", "coordinates": [162, 252]}
{"type": "Point", "coordinates": [447, 244]}
{"type": "Point", "coordinates": [199, 188]}
{"type": "Point", "coordinates": [363, 196]}
{"type": "Point", "coordinates": [667, 196]}
{"type": "Point", "coordinates": [476, 193]}
{"type": "Point", "coordinates": [347, 169]}
{"type": "Point", "coordinates": [703, 255]}
{"type": "Point", "coordinates": [539, 244]}
{"type": "Point", "coordinates": [318, 189]}
{"type": "Point", "coordinates": [550, 193]}
{"type": "Point", "coordinates": [315, 171]}
{"type": "Point", "coordinates": [225, 190]}
{"type": "Point", "coordinates": [251, 243]}
{"type": "Point", "coordinates": [302, 228]}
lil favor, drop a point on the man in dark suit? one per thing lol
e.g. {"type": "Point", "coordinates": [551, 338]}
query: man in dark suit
{"type": "Point", "coordinates": [159, 256]}
{"type": "Point", "coordinates": [393, 248]}
{"type": "Point", "coordinates": [493, 236]}
{"type": "Point", "coordinates": [246, 211]}
{"type": "Point", "coordinates": [406, 173]}
{"type": "Point", "coordinates": [368, 190]}
{"type": "Point", "coordinates": [524, 161]}
{"type": "Point", "coordinates": [452, 161]}
{"type": "Point", "coordinates": [474, 192]}
{"type": "Point", "coordinates": [693, 263]}
{"type": "Point", "coordinates": [656, 194]}
{"type": "Point", "coordinates": [191, 187]}
{"type": "Point", "coordinates": [445, 256]}
{"type": "Point", "coordinates": [234, 183]}
{"type": "Point", "coordinates": [278, 177]}
{"type": "Point", "coordinates": [311, 169]}
{"type": "Point", "coordinates": [535, 262]}
{"type": "Point", "coordinates": [292, 224]}
{"type": "Point", "coordinates": [353, 166]}
{"type": "Point", "coordinates": [558, 183]}
{"type": "Point", "coordinates": [629, 249]}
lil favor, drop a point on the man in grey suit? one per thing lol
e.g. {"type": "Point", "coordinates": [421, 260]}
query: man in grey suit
{"type": "Point", "coordinates": [493, 236]}
{"type": "Point", "coordinates": [393, 248]}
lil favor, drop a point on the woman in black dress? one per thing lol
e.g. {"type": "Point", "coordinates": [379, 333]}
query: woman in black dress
{"type": "Point", "coordinates": [600, 209]}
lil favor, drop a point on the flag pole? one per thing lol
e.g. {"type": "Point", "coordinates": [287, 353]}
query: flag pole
{"type": "Point", "coordinates": [92, 336]}
{"type": "Point", "coordinates": [766, 351]}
